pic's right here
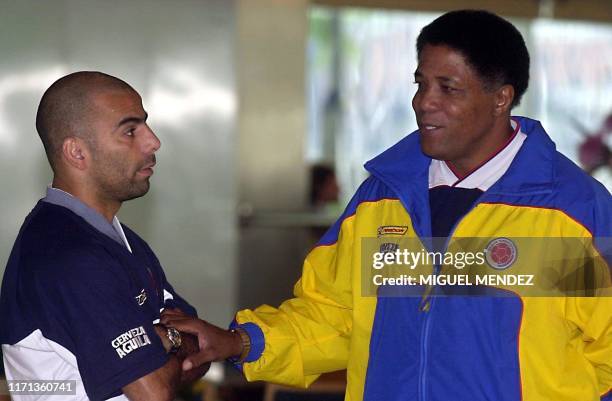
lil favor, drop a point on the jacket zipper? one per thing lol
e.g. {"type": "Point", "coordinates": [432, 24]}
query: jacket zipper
{"type": "Point", "coordinates": [427, 305]}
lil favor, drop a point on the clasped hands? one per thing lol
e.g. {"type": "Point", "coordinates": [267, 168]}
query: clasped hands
{"type": "Point", "coordinates": [215, 343]}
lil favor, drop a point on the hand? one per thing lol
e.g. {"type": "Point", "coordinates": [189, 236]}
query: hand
{"type": "Point", "coordinates": [215, 344]}
{"type": "Point", "coordinates": [190, 346]}
{"type": "Point", "coordinates": [161, 329]}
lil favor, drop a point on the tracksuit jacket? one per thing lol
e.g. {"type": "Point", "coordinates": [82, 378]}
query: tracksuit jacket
{"type": "Point", "coordinates": [497, 348]}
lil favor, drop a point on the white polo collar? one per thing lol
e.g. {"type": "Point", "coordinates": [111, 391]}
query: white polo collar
{"type": "Point", "coordinates": [485, 175]}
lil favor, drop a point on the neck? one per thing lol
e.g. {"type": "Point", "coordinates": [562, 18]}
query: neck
{"type": "Point", "coordinates": [499, 137]}
{"type": "Point", "coordinates": [107, 208]}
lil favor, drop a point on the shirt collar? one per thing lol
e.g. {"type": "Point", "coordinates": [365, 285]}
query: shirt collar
{"type": "Point", "coordinates": [484, 176]}
{"type": "Point", "coordinates": [96, 220]}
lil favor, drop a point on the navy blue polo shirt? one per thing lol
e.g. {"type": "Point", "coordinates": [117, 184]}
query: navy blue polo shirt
{"type": "Point", "coordinates": [86, 290]}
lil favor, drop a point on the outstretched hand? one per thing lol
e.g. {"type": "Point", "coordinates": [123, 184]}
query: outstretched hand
{"type": "Point", "coordinates": [215, 344]}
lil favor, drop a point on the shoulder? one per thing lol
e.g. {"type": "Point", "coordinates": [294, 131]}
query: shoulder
{"type": "Point", "coordinates": [571, 178]}
{"type": "Point", "coordinates": [582, 196]}
{"type": "Point", "coordinates": [54, 242]}
{"type": "Point", "coordinates": [371, 190]}
{"type": "Point", "coordinates": [50, 225]}
{"type": "Point", "coordinates": [541, 176]}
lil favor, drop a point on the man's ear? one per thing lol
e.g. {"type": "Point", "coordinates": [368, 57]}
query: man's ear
{"type": "Point", "coordinates": [503, 100]}
{"type": "Point", "coordinates": [75, 152]}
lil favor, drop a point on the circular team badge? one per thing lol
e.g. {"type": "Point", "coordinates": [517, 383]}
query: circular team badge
{"type": "Point", "coordinates": [501, 253]}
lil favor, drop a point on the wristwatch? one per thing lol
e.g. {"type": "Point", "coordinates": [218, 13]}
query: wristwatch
{"type": "Point", "coordinates": [174, 336]}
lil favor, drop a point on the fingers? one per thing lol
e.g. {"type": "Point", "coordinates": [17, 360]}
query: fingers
{"type": "Point", "coordinates": [167, 318]}
{"type": "Point", "coordinates": [196, 360]}
{"type": "Point", "coordinates": [187, 325]}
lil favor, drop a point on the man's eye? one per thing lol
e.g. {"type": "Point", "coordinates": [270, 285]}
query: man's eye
{"type": "Point", "coordinates": [449, 89]}
{"type": "Point", "coordinates": [130, 132]}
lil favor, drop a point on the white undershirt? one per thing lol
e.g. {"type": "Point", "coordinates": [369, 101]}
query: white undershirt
{"type": "Point", "coordinates": [440, 174]}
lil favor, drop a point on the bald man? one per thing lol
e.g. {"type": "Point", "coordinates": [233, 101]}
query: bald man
{"type": "Point", "coordinates": [82, 294]}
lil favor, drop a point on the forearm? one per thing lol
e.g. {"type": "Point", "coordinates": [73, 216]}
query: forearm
{"type": "Point", "coordinates": [159, 385]}
{"type": "Point", "coordinates": [297, 357]}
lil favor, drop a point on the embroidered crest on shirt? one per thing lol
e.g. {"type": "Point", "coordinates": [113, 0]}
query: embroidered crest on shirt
{"type": "Point", "coordinates": [501, 253]}
{"type": "Point", "coordinates": [141, 298]}
{"type": "Point", "coordinates": [130, 340]}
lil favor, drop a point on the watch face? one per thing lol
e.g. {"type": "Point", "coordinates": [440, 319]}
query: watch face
{"type": "Point", "coordinates": [175, 338]}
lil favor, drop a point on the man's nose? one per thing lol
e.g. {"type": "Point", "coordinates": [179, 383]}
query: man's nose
{"type": "Point", "coordinates": [426, 100]}
{"type": "Point", "coordinates": [152, 142]}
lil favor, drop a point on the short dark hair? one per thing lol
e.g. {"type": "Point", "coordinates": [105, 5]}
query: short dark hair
{"type": "Point", "coordinates": [489, 43]}
{"type": "Point", "coordinates": [66, 106]}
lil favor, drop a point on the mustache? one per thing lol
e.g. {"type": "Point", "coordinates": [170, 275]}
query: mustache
{"type": "Point", "coordinates": [149, 162]}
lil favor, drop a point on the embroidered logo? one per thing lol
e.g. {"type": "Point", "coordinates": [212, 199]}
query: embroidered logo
{"type": "Point", "coordinates": [388, 247]}
{"type": "Point", "coordinates": [391, 230]}
{"type": "Point", "coordinates": [141, 298]}
{"type": "Point", "coordinates": [500, 253]}
{"type": "Point", "coordinates": [130, 341]}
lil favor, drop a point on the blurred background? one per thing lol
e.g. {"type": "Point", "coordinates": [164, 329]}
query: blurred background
{"type": "Point", "coordinates": [267, 110]}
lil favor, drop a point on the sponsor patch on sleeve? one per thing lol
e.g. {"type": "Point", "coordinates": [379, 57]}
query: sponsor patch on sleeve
{"type": "Point", "coordinates": [130, 340]}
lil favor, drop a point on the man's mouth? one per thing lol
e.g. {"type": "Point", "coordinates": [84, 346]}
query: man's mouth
{"type": "Point", "coordinates": [147, 169]}
{"type": "Point", "coordinates": [429, 128]}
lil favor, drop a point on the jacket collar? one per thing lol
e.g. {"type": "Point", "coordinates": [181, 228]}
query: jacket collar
{"type": "Point", "coordinates": [532, 171]}
{"type": "Point", "coordinates": [405, 169]}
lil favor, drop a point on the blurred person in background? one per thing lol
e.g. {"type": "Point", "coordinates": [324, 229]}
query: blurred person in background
{"type": "Point", "coordinates": [471, 170]}
{"type": "Point", "coordinates": [324, 196]}
{"type": "Point", "coordinates": [323, 186]}
{"type": "Point", "coordinates": [82, 293]}
{"type": "Point", "coordinates": [595, 155]}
